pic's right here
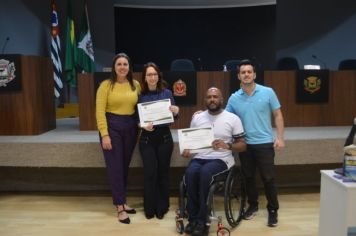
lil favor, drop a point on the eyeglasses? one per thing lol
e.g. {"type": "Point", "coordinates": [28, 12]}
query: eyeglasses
{"type": "Point", "coordinates": [152, 75]}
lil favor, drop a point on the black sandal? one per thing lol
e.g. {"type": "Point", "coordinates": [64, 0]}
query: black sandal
{"type": "Point", "coordinates": [130, 211]}
{"type": "Point", "coordinates": [124, 221]}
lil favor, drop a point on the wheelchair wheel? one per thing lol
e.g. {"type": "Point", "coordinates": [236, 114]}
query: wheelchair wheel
{"type": "Point", "coordinates": [223, 232]}
{"type": "Point", "coordinates": [234, 201]}
{"type": "Point", "coordinates": [181, 212]}
{"type": "Point", "coordinates": [210, 204]}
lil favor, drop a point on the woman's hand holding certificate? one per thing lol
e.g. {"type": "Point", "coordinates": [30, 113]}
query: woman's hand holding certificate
{"type": "Point", "coordinates": [157, 112]}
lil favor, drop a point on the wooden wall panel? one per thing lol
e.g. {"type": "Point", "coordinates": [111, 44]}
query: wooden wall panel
{"type": "Point", "coordinates": [342, 97]}
{"type": "Point", "coordinates": [86, 100]}
{"type": "Point", "coordinates": [205, 80]}
{"type": "Point", "coordinates": [31, 110]}
{"type": "Point", "coordinates": [86, 97]}
{"type": "Point", "coordinates": [340, 110]}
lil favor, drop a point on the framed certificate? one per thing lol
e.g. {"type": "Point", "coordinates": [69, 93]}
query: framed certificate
{"type": "Point", "coordinates": [156, 111]}
{"type": "Point", "coordinates": [196, 139]}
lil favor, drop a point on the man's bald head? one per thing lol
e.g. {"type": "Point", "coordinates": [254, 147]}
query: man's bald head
{"type": "Point", "coordinates": [214, 100]}
{"type": "Point", "coordinates": [214, 90]}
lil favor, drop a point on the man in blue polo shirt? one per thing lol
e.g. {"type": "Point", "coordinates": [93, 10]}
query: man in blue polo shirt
{"type": "Point", "coordinates": [256, 105]}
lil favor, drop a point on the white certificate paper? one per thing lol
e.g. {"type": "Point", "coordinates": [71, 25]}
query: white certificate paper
{"type": "Point", "coordinates": [195, 139]}
{"type": "Point", "coordinates": [156, 111]}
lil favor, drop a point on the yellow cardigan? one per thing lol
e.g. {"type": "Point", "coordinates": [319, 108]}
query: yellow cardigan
{"type": "Point", "coordinates": [120, 100]}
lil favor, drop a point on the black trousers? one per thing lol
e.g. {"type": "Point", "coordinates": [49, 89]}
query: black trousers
{"type": "Point", "coordinates": [261, 157]}
{"type": "Point", "coordinates": [156, 149]}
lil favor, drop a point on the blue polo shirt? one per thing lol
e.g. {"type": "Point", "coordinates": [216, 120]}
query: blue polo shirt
{"type": "Point", "coordinates": [255, 112]}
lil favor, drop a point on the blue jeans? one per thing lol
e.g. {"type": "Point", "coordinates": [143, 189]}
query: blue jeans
{"type": "Point", "coordinates": [198, 177]}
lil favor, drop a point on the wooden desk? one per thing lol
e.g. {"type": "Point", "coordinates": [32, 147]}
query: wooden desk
{"type": "Point", "coordinates": [337, 205]}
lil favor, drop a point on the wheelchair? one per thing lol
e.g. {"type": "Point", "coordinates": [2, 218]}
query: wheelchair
{"type": "Point", "coordinates": [229, 184]}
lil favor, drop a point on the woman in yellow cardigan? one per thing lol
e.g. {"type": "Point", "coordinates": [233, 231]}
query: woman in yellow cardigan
{"type": "Point", "coordinates": [116, 100]}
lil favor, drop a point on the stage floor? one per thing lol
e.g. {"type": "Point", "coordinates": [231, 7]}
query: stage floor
{"type": "Point", "coordinates": [40, 214]}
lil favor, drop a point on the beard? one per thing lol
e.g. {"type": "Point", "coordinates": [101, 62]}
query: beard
{"type": "Point", "coordinates": [213, 108]}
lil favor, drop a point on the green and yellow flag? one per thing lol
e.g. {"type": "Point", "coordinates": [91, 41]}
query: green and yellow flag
{"type": "Point", "coordinates": [71, 49]}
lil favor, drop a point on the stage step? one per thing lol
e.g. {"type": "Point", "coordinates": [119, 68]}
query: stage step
{"type": "Point", "coordinates": [69, 110]}
{"type": "Point", "coordinates": [67, 159]}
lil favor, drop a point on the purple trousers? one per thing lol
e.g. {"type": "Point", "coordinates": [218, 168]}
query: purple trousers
{"type": "Point", "coordinates": [123, 134]}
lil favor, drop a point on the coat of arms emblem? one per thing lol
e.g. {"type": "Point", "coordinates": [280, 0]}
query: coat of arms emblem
{"type": "Point", "coordinates": [7, 72]}
{"type": "Point", "coordinates": [312, 84]}
{"type": "Point", "coordinates": [179, 88]}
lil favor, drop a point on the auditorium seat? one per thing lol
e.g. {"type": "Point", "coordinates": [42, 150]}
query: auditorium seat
{"type": "Point", "coordinates": [347, 64]}
{"type": "Point", "coordinates": [288, 63]}
{"type": "Point", "coordinates": [182, 65]}
{"type": "Point", "coordinates": [231, 65]}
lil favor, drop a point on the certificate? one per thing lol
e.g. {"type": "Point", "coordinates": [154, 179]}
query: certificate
{"type": "Point", "coordinates": [156, 112]}
{"type": "Point", "coordinates": [196, 139]}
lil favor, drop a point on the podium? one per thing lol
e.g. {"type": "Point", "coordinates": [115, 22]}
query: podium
{"type": "Point", "coordinates": [27, 109]}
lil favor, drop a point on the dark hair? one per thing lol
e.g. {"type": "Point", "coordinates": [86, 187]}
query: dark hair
{"type": "Point", "coordinates": [161, 84]}
{"type": "Point", "coordinates": [129, 74]}
{"type": "Point", "coordinates": [245, 62]}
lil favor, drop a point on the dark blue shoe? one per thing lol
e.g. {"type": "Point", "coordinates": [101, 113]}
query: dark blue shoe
{"type": "Point", "coordinates": [272, 218]}
{"type": "Point", "coordinates": [200, 230]}
{"type": "Point", "coordinates": [189, 228]}
{"type": "Point", "coordinates": [250, 213]}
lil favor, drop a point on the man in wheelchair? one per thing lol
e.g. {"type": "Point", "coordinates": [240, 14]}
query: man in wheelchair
{"type": "Point", "coordinates": [204, 166]}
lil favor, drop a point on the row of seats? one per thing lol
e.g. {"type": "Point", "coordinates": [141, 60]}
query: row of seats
{"type": "Point", "coordinates": [291, 63]}
{"type": "Point", "coordinates": [286, 63]}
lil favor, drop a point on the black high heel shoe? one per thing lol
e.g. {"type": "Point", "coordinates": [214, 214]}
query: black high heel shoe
{"type": "Point", "coordinates": [124, 221]}
{"type": "Point", "coordinates": [130, 211]}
